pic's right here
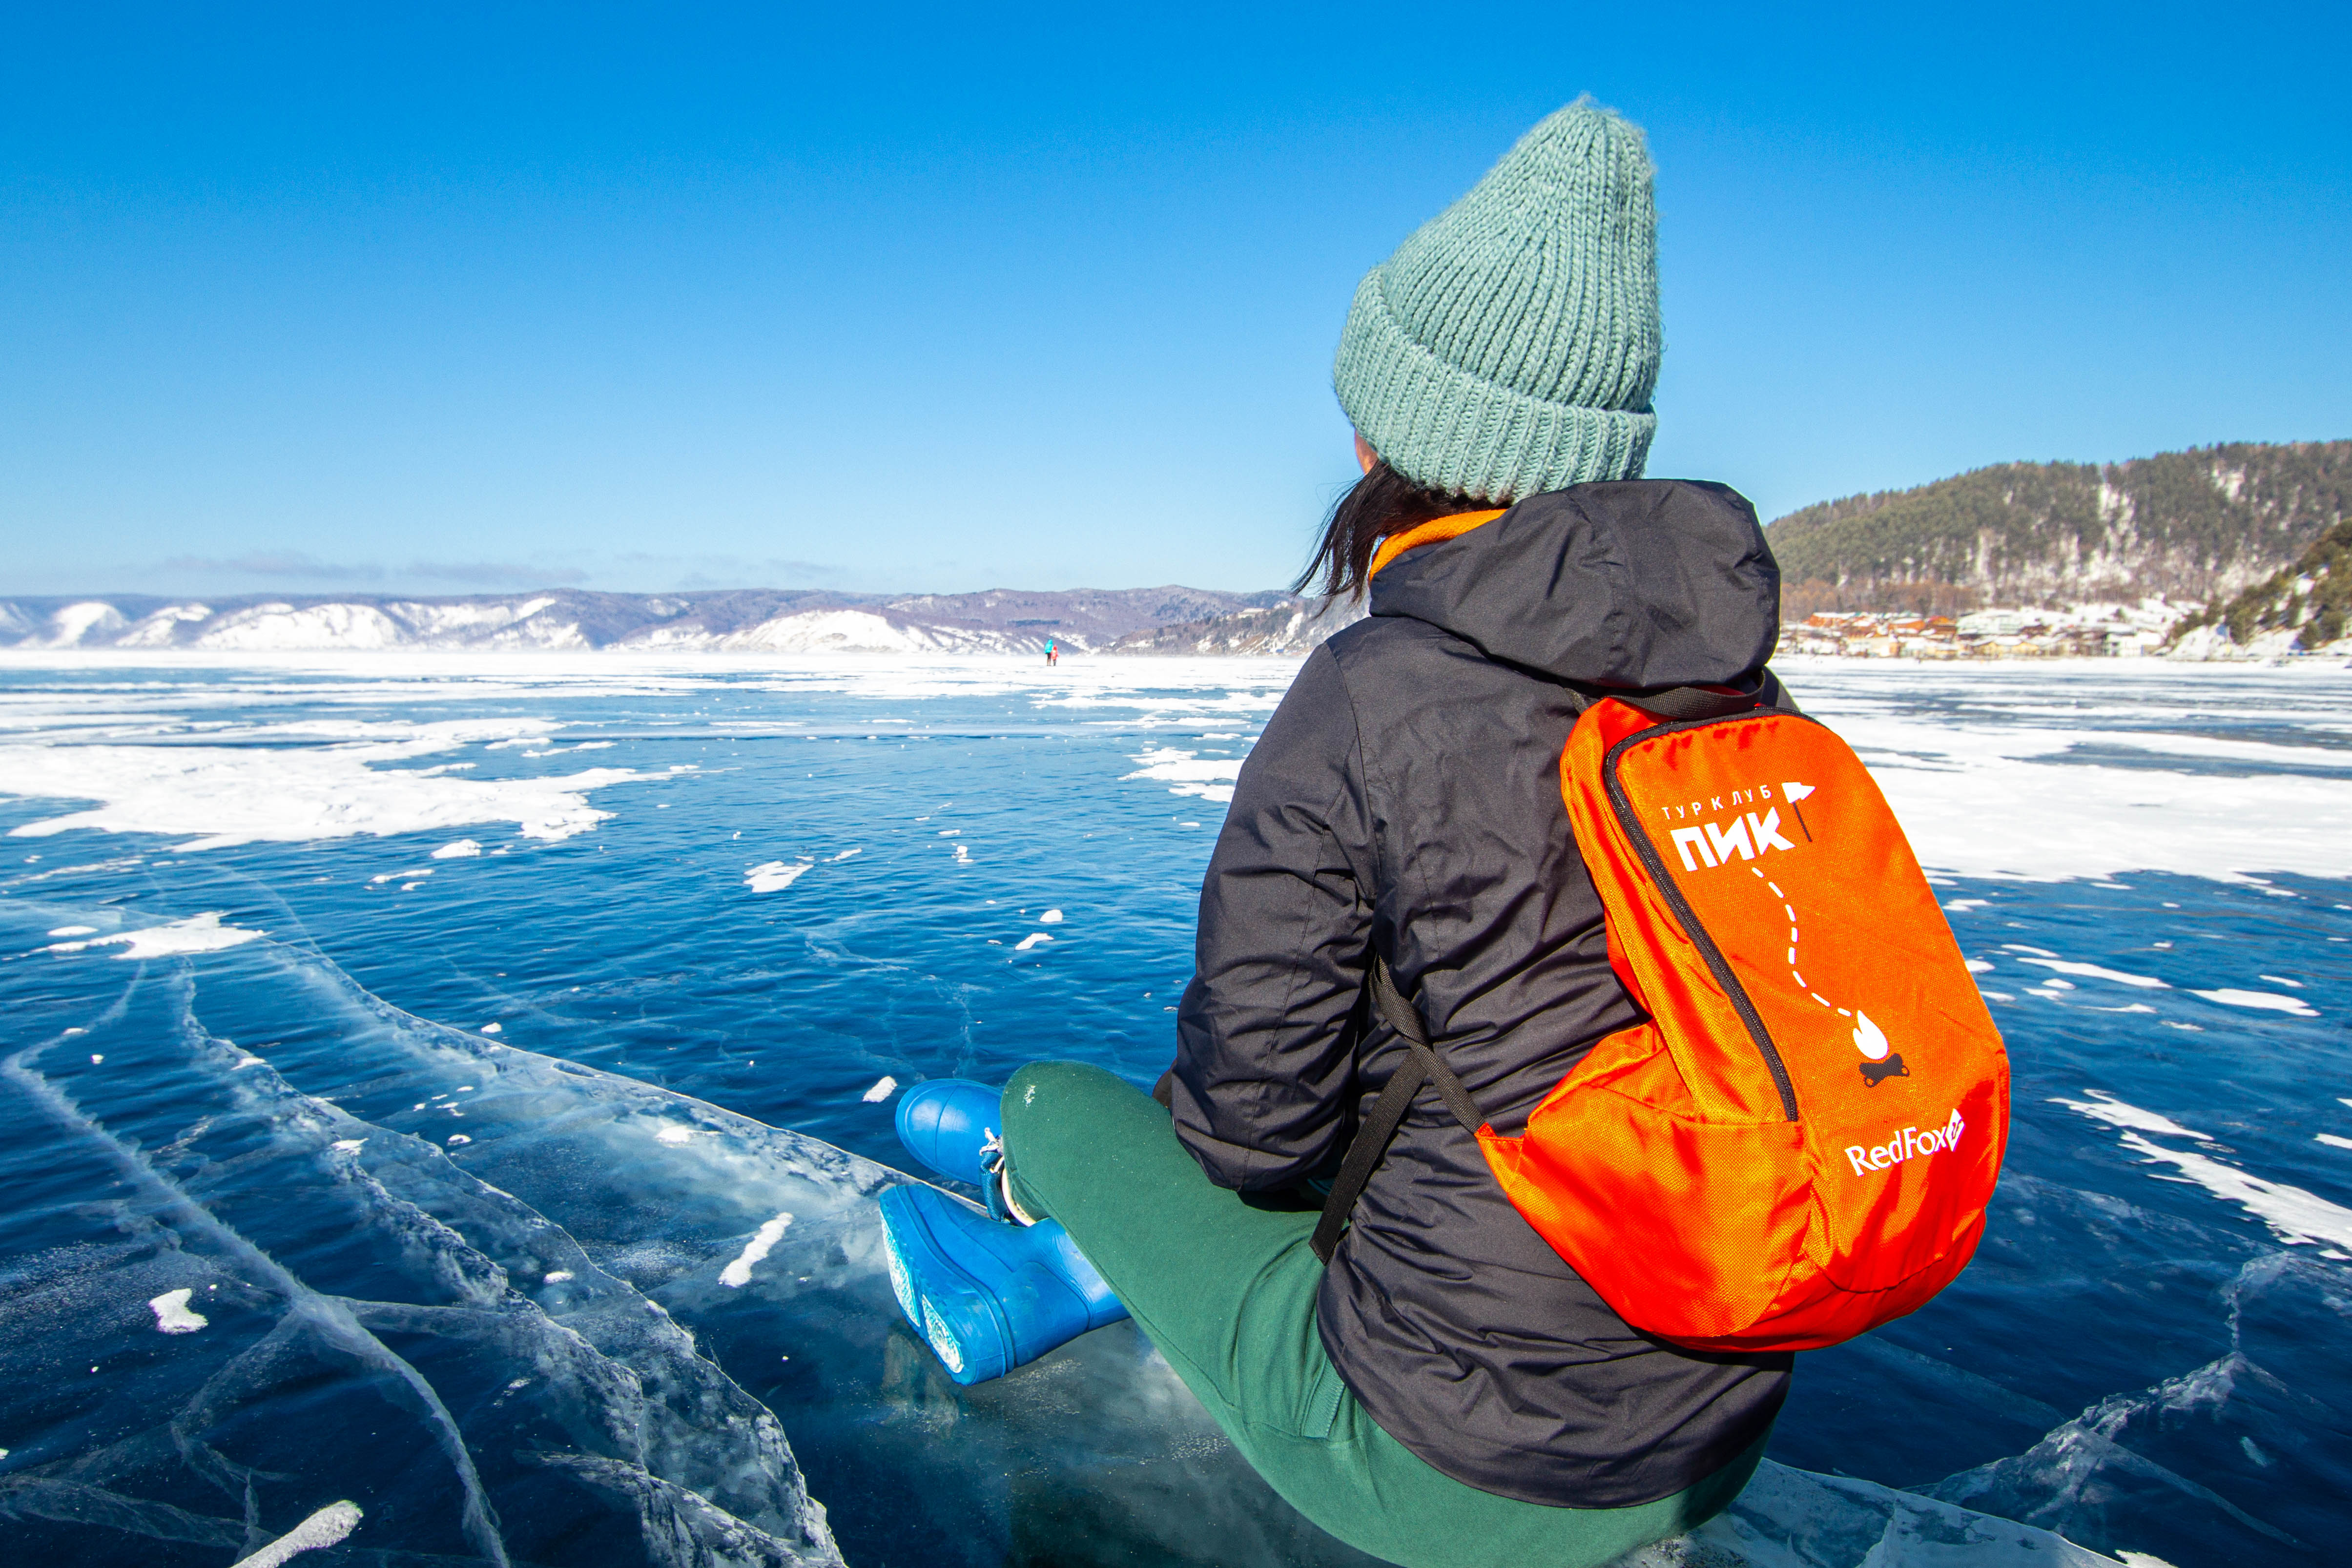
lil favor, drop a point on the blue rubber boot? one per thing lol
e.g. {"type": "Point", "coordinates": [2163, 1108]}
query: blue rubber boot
{"type": "Point", "coordinates": [950, 1124]}
{"type": "Point", "coordinates": [986, 1295]}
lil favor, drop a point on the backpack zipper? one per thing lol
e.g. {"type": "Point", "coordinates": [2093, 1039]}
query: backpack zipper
{"type": "Point", "coordinates": [1699, 936]}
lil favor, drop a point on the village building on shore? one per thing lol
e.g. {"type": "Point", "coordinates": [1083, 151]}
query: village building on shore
{"type": "Point", "coordinates": [2079, 631]}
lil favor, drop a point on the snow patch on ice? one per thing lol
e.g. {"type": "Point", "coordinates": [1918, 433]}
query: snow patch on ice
{"type": "Point", "coordinates": [2266, 1001]}
{"type": "Point", "coordinates": [217, 796]}
{"type": "Point", "coordinates": [462, 849]}
{"type": "Point", "coordinates": [673, 1134]}
{"type": "Point", "coordinates": [883, 1087]}
{"type": "Point", "coordinates": [1185, 773]}
{"type": "Point", "coordinates": [2297, 1217]}
{"type": "Point", "coordinates": [173, 1315]}
{"type": "Point", "coordinates": [198, 933]}
{"type": "Point", "coordinates": [2106, 1108]}
{"type": "Point", "coordinates": [2199, 805]}
{"type": "Point", "coordinates": [738, 1274]}
{"type": "Point", "coordinates": [2061, 820]}
{"type": "Point", "coordinates": [1050, 918]}
{"type": "Point", "coordinates": [2093, 971]}
{"type": "Point", "coordinates": [774, 875]}
{"type": "Point", "coordinates": [73, 931]}
{"type": "Point", "coordinates": [1031, 940]}
{"type": "Point", "coordinates": [323, 1529]}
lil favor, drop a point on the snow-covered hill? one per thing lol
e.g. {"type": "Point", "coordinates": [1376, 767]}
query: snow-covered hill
{"type": "Point", "coordinates": [744, 620]}
{"type": "Point", "coordinates": [2306, 608]}
{"type": "Point", "coordinates": [1292, 622]}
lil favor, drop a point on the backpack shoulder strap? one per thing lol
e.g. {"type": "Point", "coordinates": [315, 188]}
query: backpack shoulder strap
{"type": "Point", "coordinates": [1770, 693]}
{"type": "Point", "coordinates": [1672, 702]}
{"type": "Point", "coordinates": [1423, 1064]}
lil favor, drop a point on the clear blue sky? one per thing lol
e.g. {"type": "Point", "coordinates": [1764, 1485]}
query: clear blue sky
{"type": "Point", "coordinates": [446, 299]}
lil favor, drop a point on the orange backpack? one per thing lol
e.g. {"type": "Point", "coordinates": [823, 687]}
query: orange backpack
{"type": "Point", "coordinates": [1799, 1143]}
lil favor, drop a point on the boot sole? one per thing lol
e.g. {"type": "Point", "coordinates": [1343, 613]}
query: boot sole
{"type": "Point", "coordinates": [921, 1271]}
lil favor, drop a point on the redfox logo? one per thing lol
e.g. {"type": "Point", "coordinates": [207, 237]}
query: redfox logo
{"type": "Point", "coordinates": [1748, 837]}
{"type": "Point", "coordinates": [1904, 1144]}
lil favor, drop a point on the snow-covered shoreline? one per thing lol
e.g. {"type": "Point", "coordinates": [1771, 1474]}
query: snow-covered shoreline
{"type": "Point", "coordinates": [2047, 771]}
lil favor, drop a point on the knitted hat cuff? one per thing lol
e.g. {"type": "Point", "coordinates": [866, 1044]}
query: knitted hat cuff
{"type": "Point", "coordinates": [1450, 430]}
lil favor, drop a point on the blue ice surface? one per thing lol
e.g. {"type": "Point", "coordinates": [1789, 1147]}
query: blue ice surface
{"type": "Point", "coordinates": [500, 1287]}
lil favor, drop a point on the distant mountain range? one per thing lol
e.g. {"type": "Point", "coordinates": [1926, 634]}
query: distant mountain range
{"type": "Point", "coordinates": [741, 620]}
{"type": "Point", "coordinates": [1291, 624]}
{"type": "Point", "coordinates": [2199, 525]}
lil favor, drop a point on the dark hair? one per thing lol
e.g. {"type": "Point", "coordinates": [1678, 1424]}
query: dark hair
{"type": "Point", "coordinates": [1381, 503]}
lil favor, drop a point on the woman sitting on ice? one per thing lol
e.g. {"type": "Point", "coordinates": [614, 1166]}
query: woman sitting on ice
{"type": "Point", "coordinates": [1448, 1391]}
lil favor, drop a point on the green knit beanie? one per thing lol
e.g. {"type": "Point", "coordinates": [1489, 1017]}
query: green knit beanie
{"type": "Point", "coordinates": [1510, 345]}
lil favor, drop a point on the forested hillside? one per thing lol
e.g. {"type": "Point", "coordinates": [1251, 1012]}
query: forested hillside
{"type": "Point", "coordinates": [2304, 608]}
{"type": "Point", "coordinates": [2199, 524]}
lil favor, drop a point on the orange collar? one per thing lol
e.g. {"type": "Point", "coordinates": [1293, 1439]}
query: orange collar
{"type": "Point", "coordinates": [1429, 532]}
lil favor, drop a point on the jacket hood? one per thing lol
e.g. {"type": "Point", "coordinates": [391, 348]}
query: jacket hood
{"type": "Point", "coordinates": [1632, 583]}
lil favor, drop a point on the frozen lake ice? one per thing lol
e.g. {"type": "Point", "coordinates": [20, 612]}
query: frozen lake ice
{"type": "Point", "coordinates": [442, 1100]}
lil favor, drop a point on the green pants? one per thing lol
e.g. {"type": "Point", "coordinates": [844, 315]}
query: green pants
{"type": "Point", "coordinates": [1226, 1291]}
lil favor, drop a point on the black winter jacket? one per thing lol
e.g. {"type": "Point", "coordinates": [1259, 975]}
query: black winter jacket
{"type": "Point", "coordinates": [1404, 799]}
